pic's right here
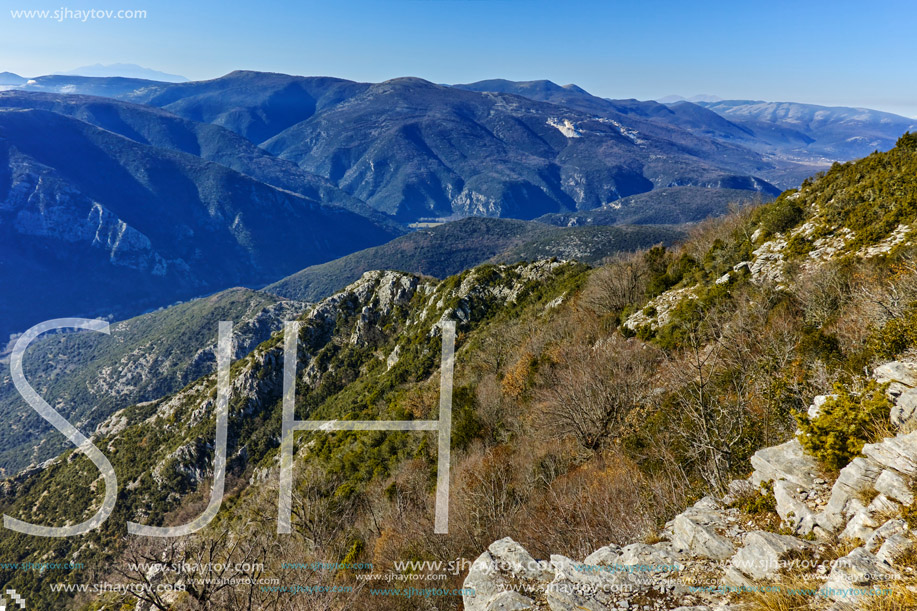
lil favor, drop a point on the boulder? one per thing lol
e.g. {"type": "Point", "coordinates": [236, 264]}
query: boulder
{"type": "Point", "coordinates": [512, 556]}
{"type": "Point", "coordinates": [510, 601]}
{"type": "Point", "coordinates": [762, 554]}
{"type": "Point", "coordinates": [504, 563]}
{"type": "Point", "coordinates": [898, 453]}
{"type": "Point", "coordinates": [856, 569]}
{"type": "Point", "coordinates": [894, 486]}
{"type": "Point", "coordinates": [787, 461]}
{"type": "Point", "coordinates": [792, 509]}
{"type": "Point", "coordinates": [695, 532]}
{"type": "Point", "coordinates": [854, 480]}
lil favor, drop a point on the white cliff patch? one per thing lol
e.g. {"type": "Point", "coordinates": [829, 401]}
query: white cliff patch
{"type": "Point", "coordinates": [566, 127]}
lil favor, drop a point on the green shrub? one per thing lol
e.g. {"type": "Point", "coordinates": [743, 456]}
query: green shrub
{"type": "Point", "coordinates": [897, 335]}
{"type": "Point", "coordinates": [844, 425]}
{"type": "Point", "coordinates": [907, 141]}
{"type": "Point", "coordinates": [783, 214]}
{"type": "Point", "coordinates": [758, 502]}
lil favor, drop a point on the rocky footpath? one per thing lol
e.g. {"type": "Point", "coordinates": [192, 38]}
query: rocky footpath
{"type": "Point", "coordinates": [844, 537]}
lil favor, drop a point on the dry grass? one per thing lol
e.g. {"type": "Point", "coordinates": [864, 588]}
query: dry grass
{"type": "Point", "coordinates": [901, 598]}
{"type": "Point", "coordinates": [788, 595]}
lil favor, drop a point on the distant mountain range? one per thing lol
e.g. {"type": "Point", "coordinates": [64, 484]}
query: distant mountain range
{"type": "Point", "coordinates": [8, 78]}
{"type": "Point", "coordinates": [125, 70]}
{"type": "Point", "coordinates": [703, 97]}
{"type": "Point", "coordinates": [122, 194]}
{"type": "Point", "coordinates": [792, 129]}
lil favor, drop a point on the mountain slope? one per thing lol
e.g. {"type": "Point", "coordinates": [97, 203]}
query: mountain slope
{"type": "Point", "coordinates": [89, 376]}
{"type": "Point", "coordinates": [94, 223]}
{"type": "Point", "coordinates": [438, 151]}
{"type": "Point", "coordinates": [255, 105]}
{"type": "Point", "coordinates": [589, 408]}
{"type": "Point", "coordinates": [672, 204]}
{"type": "Point", "coordinates": [454, 247]}
{"type": "Point", "coordinates": [112, 86]}
{"type": "Point", "coordinates": [161, 129]}
{"type": "Point", "coordinates": [693, 118]}
{"type": "Point", "coordinates": [8, 78]}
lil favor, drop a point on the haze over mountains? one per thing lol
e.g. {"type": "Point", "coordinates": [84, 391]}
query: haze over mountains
{"type": "Point", "coordinates": [125, 70]}
{"type": "Point", "coordinates": [124, 194]}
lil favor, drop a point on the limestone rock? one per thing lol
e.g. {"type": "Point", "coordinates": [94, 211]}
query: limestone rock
{"type": "Point", "coordinates": [887, 530]}
{"type": "Point", "coordinates": [854, 480]}
{"type": "Point", "coordinates": [905, 408]}
{"type": "Point", "coordinates": [897, 371]}
{"type": "Point", "coordinates": [504, 563]}
{"type": "Point", "coordinates": [574, 589]}
{"type": "Point", "coordinates": [861, 526]}
{"type": "Point", "coordinates": [787, 461]}
{"type": "Point", "coordinates": [604, 556]}
{"type": "Point", "coordinates": [894, 486]}
{"type": "Point", "coordinates": [655, 555]}
{"type": "Point", "coordinates": [896, 547]}
{"type": "Point", "coordinates": [793, 510]}
{"type": "Point", "coordinates": [899, 453]}
{"type": "Point", "coordinates": [762, 554]}
{"type": "Point", "coordinates": [694, 531]}
{"type": "Point", "coordinates": [858, 568]}
{"type": "Point", "coordinates": [817, 403]}
{"type": "Point", "coordinates": [510, 601]}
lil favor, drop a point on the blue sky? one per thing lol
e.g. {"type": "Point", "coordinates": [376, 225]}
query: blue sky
{"type": "Point", "coordinates": [834, 53]}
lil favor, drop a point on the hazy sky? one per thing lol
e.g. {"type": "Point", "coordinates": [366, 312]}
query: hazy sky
{"type": "Point", "coordinates": [834, 53]}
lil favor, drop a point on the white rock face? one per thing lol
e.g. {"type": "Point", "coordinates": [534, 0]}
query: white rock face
{"type": "Point", "coordinates": [787, 461]}
{"type": "Point", "coordinates": [695, 533]}
{"type": "Point", "coordinates": [792, 509]}
{"type": "Point", "coordinates": [858, 568]}
{"type": "Point", "coordinates": [893, 485]}
{"type": "Point", "coordinates": [763, 553]}
{"type": "Point", "coordinates": [566, 127]}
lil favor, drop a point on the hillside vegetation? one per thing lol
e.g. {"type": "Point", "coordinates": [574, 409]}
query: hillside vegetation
{"type": "Point", "coordinates": [591, 405]}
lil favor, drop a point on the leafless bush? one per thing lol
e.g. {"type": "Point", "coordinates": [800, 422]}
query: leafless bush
{"type": "Point", "coordinates": [614, 286]}
{"type": "Point", "coordinates": [592, 388]}
{"type": "Point", "coordinates": [823, 291]}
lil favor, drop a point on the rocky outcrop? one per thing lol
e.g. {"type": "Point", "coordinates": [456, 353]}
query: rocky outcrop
{"type": "Point", "coordinates": [711, 542]}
